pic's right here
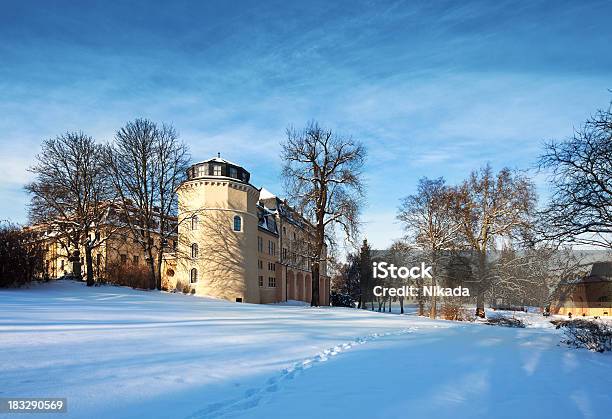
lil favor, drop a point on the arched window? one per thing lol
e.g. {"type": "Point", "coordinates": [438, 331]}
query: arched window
{"type": "Point", "coordinates": [237, 223]}
{"type": "Point", "coordinates": [194, 250]}
{"type": "Point", "coordinates": [194, 222]}
{"type": "Point", "coordinates": [194, 275]}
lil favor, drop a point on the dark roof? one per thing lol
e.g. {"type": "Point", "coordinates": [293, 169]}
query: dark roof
{"type": "Point", "coordinates": [600, 272]}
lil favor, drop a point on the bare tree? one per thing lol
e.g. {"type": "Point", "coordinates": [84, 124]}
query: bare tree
{"type": "Point", "coordinates": [429, 219]}
{"type": "Point", "coordinates": [491, 207]}
{"type": "Point", "coordinates": [146, 164]}
{"type": "Point", "coordinates": [580, 210]}
{"type": "Point", "coordinates": [322, 175]}
{"type": "Point", "coordinates": [522, 276]}
{"type": "Point", "coordinates": [71, 194]}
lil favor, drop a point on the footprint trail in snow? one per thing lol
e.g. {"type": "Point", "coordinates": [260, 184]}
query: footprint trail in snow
{"type": "Point", "coordinates": [252, 397]}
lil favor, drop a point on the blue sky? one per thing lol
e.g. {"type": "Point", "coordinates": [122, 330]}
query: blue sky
{"type": "Point", "coordinates": [432, 88]}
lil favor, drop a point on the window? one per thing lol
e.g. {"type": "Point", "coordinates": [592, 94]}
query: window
{"type": "Point", "coordinates": [135, 260]}
{"type": "Point", "coordinates": [284, 231]}
{"type": "Point", "coordinates": [259, 244]}
{"type": "Point", "coordinates": [271, 282]}
{"type": "Point", "coordinates": [194, 250]}
{"type": "Point", "coordinates": [217, 170]}
{"type": "Point", "coordinates": [202, 171]}
{"type": "Point", "coordinates": [603, 299]}
{"type": "Point", "coordinates": [237, 223]}
{"type": "Point", "coordinates": [194, 222]}
{"type": "Point", "coordinates": [62, 264]}
{"type": "Point", "coordinates": [284, 253]}
{"type": "Point", "coordinates": [271, 266]}
{"type": "Point", "coordinates": [271, 247]}
{"type": "Point", "coordinates": [233, 172]}
{"type": "Point", "coordinates": [260, 281]}
{"type": "Point", "coordinates": [123, 259]}
{"type": "Point", "coordinates": [260, 264]}
{"type": "Point", "coordinates": [97, 236]}
{"type": "Point", "coordinates": [194, 276]}
{"type": "Point", "coordinates": [98, 260]}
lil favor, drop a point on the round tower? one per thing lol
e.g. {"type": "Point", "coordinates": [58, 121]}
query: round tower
{"type": "Point", "coordinates": [217, 245]}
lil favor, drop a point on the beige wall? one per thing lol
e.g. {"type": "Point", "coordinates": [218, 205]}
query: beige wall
{"type": "Point", "coordinates": [584, 298]}
{"type": "Point", "coordinates": [226, 262]}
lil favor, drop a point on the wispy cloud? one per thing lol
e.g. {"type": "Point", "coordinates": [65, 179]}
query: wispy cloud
{"type": "Point", "coordinates": [432, 89]}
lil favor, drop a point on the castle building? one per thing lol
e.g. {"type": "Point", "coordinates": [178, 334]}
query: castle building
{"type": "Point", "coordinates": [239, 242]}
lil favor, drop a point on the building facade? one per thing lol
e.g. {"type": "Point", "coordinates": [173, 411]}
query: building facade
{"type": "Point", "coordinates": [588, 296]}
{"type": "Point", "coordinates": [117, 253]}
{"type": "Point", "coordinates": [239, 242]}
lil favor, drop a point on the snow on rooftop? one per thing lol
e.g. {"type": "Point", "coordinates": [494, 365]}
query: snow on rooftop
{"type": "Point", "coordinates": [266, 194]}
{"type": "Point", "coordinates": [219, 160]}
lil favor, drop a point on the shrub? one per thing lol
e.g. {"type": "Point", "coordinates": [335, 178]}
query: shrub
{"type": "Point", "coordinates": [183, 287]}
{"type": "Point", "coordinates": [135, 276]}
{"type": "Point", "coordinates": [505, 321]}
{"type": "Point", "coordinates": [451, 311]}
{"type": "Point", "coordinates": [341, 299]}
{"type": "Point", "coordinates": [21, 257]}
{"type": "Point", "coordinates": [593, 335]}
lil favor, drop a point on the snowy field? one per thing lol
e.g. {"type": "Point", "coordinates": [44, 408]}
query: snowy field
{"type": "Point", "coordinates": [120, 353]}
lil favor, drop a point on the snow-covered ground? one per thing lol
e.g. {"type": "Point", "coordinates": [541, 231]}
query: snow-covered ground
{"type": "Point", "coordinates": [120, 353]}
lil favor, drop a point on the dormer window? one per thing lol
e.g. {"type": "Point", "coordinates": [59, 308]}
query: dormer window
{"type": "Point", "coordinates": [217, 170]}
{"type": "Point", "coordinates": [233, 172]}
{"type": "Point", "coordinates": [202, 171]}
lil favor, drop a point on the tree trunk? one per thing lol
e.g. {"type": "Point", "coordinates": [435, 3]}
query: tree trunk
{"type": "Point", "coordinates": [76, 264]}
{"type": "Point", "coordinates": [151, 261]}
{"type": "Point", "coordinates": [160, 257]}
{"type": "Point", "coordinates": [433, 308]}
{"type": "Point", "coordinates": [401, 301]}
{"type": "Point", "coordinates": [89, 263]}
{"type": "Point", "coordinates": [314, 301]}
{"type": "Point", "coordinates": [480, 311]}
{"type": "Point", "coordinates": [434, 298]}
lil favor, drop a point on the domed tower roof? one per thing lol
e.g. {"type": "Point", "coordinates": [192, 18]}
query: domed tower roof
{"type": "Point", "coordinates": [217, 167]}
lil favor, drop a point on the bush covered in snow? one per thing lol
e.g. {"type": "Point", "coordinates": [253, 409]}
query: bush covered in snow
{"type": "Point", "coordinates": [589, 334]}
{"type": "Point", "coordinates": [505, 321]}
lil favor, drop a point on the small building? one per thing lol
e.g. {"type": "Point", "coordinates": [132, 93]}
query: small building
{"type": "Point", "coordinates": [588, 296]}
